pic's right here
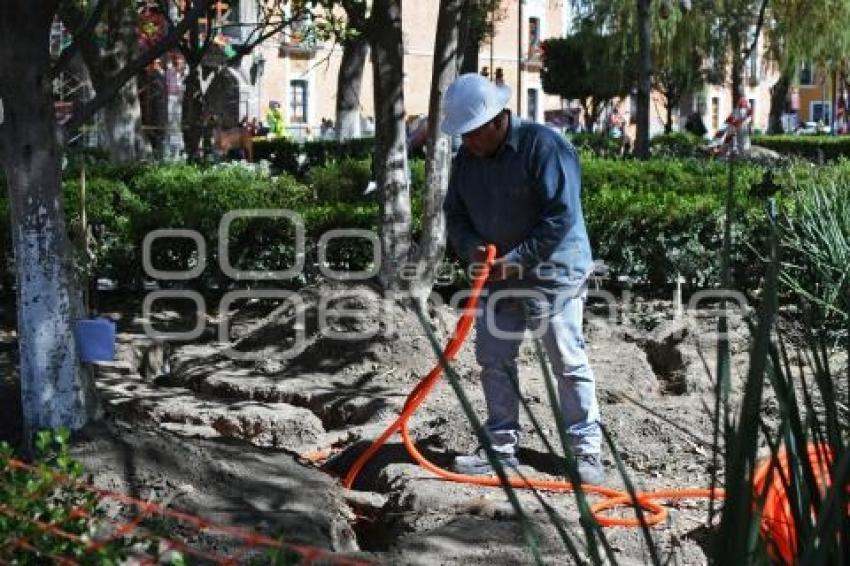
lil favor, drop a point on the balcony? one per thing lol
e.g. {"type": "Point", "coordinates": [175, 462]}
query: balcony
{"type": "Point", "coordinates": [298, 45]}
{"type": "Point", "coordinates": [533, 61]}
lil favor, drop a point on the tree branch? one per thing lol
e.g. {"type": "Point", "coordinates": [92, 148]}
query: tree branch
{"type": "Point", "coordinates": [84, 33]}
{"type": "Point", "coordinates": [114, 84]}
{"type": "Point", "coordinates": [759, 24]}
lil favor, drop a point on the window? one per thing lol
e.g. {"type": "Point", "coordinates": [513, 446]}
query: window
{"type": "Point", "coordinates": [532, 104]}
{"type": "Point", "coordinates": [533, 37]}
{"type": "Point", "coordinates": [715, 112]}
{"type": "Point", "coordinates": [298, 102]}
{"type": "Point", "coordinates": [820, 111]}
{"type": "Point", "coordinates": [806, 74]}
{"type": "Point", "coordinates": [702, 104]}
{"type": "Point", "coordinates": [228, 17]}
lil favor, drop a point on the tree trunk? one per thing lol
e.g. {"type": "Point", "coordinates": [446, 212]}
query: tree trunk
{"type": "Point", "coordinates": [432, 242]}
{"type": "Point", "coordinates": [644, 80]}
{"type": "Point", "coordinates": [193, 107]}
{"type": "Point", "coordinates": [349, 80]}
{"type": "Point", "coordinates": [122, 115]}
{"type": "Point", "coordinates": [737, 80]}
{"type": "Point", "coordinates": [468, 44]}
{"type": "Point", "coordinates": [55, 390]}
{"type": "Point", "coordinates": [390, 142]}
{"type": "Point", "coordinates": [778, 102]}
{"type": "Point", "coordinates": [122, 126]}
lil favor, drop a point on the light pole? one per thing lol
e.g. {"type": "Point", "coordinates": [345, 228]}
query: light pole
{"type": "Point", "coordinates": [519, 59]}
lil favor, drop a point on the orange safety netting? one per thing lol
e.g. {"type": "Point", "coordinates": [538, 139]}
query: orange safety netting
{"type": "Point", "coordinates": [247, 540]}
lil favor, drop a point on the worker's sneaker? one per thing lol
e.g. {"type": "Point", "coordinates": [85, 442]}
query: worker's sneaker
{"type": "Point", "coordinates": [590, 469]}
{"type": "Point", "coordinates": [477, 464]}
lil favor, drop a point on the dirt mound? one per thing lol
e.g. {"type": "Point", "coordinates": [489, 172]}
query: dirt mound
{"type": "Point", "coordinates": [313, 378]}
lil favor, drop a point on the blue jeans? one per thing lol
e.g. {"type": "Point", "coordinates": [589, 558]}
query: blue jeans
{"type": "Point", "coordinates": [558, 325]}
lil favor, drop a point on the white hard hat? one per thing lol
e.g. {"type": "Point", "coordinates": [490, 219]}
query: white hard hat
{"type": "Point", "coordinates": [471, 101]}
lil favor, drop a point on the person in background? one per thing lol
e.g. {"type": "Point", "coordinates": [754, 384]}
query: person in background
{"type": "Point", "coordinates": [517, 185]}
{"type": "Point", "coordinates": [275, 120]}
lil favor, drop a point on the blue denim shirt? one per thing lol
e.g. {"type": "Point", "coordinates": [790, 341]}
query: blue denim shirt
{"type": "Point", "coordinates": [527, 201]}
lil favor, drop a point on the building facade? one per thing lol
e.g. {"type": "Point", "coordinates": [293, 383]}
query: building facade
{"type": "Point", "coordinates": [301, 76]}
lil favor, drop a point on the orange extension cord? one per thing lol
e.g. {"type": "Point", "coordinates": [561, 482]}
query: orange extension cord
{"type": "Point", "coordinates": [776, 523]}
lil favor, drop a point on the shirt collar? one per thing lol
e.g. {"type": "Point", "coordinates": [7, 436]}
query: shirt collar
{"type": "Point", "coordinates": [512, 138]}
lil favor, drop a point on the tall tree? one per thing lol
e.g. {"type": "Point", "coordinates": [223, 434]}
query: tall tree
{"type": "Point", "coordinates": [206, 59]}
{"type": "Point", "coordinates": [55, 389]}
{"type": "Point", "coordinates": [479, 19]}
{"type": "Point", "coordinates": [114, 42]}
{"type": "Point", "coordinates": [817, 31]}
{"type": "Point", "coordinates": [355, 49]}
{"type": "Point", "coordinates": [677, 58]}
{"type": "Point", "coordinates": [447, 59]}
{"type": "Point", "coordinates": [390, 142]}
{"type": "Point", "coordinates": [733, 37]}
{"type": "Point", "coordinates": [582, 67]}
{"type": "Point", "coordinates": [644, 83]}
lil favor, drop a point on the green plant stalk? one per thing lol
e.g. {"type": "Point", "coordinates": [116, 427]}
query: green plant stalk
{"type": "Point", "coordinates": [483, 438]}
{"type": "Point", "coordinates": [556, 519]}
{"type": "Point", "coordinates": [630, 489]}
{"type": "Point", "coordinates": [722, 384]}
{"type": "Point", "coordinates": [737, 531]}
{"type": "Point", "coordinates": [591, 527]}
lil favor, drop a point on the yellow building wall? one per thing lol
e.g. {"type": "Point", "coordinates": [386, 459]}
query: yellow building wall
{"type": "Point", "coordinates": [419, 29]}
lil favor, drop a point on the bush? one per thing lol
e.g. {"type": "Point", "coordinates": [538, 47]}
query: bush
{"type": "Point", "coordinates": [37, 495]}
{"type": "Point", "coordinates": [816, 148]}
{"type": "Point", "coordinates": [598, 145]}
{"type": "Point", "coordinates": [677, 144]}
{"type": "Point", "coordinates": [340, 181]}
{"type": "Point", "coordinates": [815, 243]}
{"type": "Point", "coordinates": [298, 158]}
{"type": "Point", "coordinates": [652, 221]}
{"type": "Point", "coordinates": [111, 210]}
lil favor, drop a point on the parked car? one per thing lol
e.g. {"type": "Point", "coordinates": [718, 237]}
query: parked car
{"type": "Point", "coordinates": [811, 128]}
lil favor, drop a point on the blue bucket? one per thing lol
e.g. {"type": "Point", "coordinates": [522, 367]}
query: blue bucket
{"type": "Point", "coordinates": [95, 339]}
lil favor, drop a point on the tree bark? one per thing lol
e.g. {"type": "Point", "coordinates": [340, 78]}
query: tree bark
{"type": "Point", "coordinates": [122, 126]}
{"type": "Point", "coordinates": [193, 107]}
{"type": "Point", "coordinates": [349, 81]}
{"type": "Point", "coordinates": [432, 242]}
{"type": "Point", "coordinates": [778, 101]}
{"type": "Point", "coordinates": [644, 79]}
{"type": "Point", "coordinates": [390, 142]}
{"type": "Point", "coordinates": [468, 44]}
{"type": "Point", "coordinates": [122, 116]}
{"type": "Point", "coordinates": [55, 390]}
{"type": "Point", "coordinates": [737, 79]}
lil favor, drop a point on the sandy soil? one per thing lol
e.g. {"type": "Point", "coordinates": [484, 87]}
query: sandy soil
{"type": "Point", "coordinates": [236, 441]}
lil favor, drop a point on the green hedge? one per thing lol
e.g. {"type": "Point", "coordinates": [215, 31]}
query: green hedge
{"type": "Point", "coordinates": [677, 144]}
{"type": "Point", "coordinates": [649, 221]}
{"type": "Point", "coordinates": [297, 158]}
{"type": "Point", "coordinates": [817, 148]}
{"type": "Point", "coordinates": [597, 145]}
{"type": "Point", "coordinates": [653, 221]}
